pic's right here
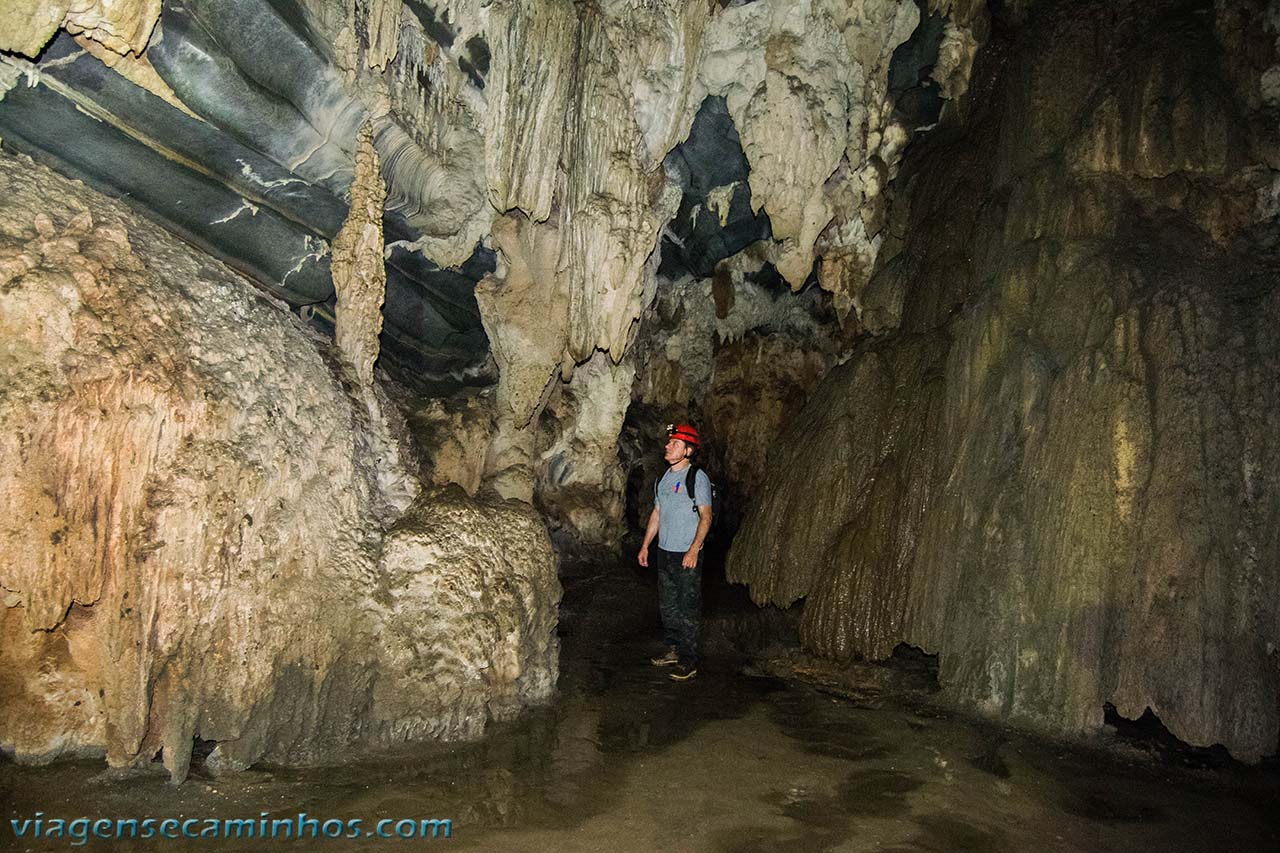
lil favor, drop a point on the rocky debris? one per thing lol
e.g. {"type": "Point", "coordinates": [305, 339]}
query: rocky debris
{"type": "Point", "coordinates": [1057, 474]}
{"type": "Point", "coordinates": [197, 492]}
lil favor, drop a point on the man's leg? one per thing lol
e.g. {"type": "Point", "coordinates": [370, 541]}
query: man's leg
{"type": "Point", "coordinates": [668, 597]}
{"type": "Point", "coordinates": [689, 607]}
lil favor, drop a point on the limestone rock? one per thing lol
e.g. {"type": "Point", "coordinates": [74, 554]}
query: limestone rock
{"type": "Point", "coordinates": [122, 26]}
{"type": "Point", "coordinates": [526, 312]}
{"type": "Point", "coordinates": [739, 382]}
{"type": "Point", "coordinates": [1056, 474]}
{"type": "Point", "coordinates": [758, 384]}
{"type": "Point", "coordinates": [359, 272]}
{"type": "Point", "coordinates": [580, 483]}
{"type": "Point", "coordinates": [383, 29]}
{"type": "Point", "coordinates": [816, 95]}
{"type": "Point", "coordinates": [196, 492]}
{"type": "Point", "coordinates": [137, 69]}
{"type": "Point", "coordinates": [534, 43]}
{"type": "Point", "coordinates": [454, 434]}
{"type": "Point", "coordinates": [610, 221]}
{"type": "Point", "coordinates": [470, 627]}
{"type": "Point", "coordinates": [439, 188]}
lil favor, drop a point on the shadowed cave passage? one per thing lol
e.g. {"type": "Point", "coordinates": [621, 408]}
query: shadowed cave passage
{"type": "Point", "coordinates": [736, 760]}
{"type": "Point", "coordinates": [338, 342]}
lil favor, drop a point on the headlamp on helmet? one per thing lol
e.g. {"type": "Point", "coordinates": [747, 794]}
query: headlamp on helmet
{"type": "Point", "coordinates": [685, 433]}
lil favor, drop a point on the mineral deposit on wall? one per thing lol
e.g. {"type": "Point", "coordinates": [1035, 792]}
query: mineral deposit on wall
{"type": "Point", "coordinates": [195, 520]}
{"type": "Point", "coordinates": [1061, 472]}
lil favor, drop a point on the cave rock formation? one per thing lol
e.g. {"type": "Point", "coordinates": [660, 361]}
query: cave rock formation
{"type": "Point", "coordinates": [1057, 466]}
{"type": "Point", "coordinates": [213, 530]}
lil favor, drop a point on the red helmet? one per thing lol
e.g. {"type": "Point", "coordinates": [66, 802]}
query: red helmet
{"type": "Point", "coordinates": [685, 433]}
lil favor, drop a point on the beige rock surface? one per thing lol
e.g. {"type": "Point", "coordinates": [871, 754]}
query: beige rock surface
{"type": "Point", "coordinates": [472, 591]}
{"type": "Point", "coordinates": [453, 435]}
{"type": "Point", "coordinates": [122, 26]}
{"type": "Point", "coordinates": [359, 272]}
{"type": "Point", "coordinates": [525, 310]}
{"type": "Point", "coordinates": [741, 384]}
{"type": "Point", "coordinates": [534, 43]}
{"type": "Point", "coordinates": [580, 483]}
{"type": "Point", "coordinates": [194, 505]}
{"type": "Point", "coordinates": [383, 28]}
{"type": "Point", "coordinates": [1057, 474]}
{"type": "Point", "coordinates": [807, 86]}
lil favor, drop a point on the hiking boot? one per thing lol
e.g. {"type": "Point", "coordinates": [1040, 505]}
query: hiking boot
{"type": "Point", "coordinates": [668, 659]}
{"type": "Point", "coordinates": [683, 672]}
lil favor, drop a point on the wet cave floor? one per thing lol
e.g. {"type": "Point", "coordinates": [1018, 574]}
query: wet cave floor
{"type": "Point", "coordinates": [626, 759]}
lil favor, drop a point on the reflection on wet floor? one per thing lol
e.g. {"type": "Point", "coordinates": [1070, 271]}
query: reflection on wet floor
{"type": "Point", "coordinates": [626, 759]}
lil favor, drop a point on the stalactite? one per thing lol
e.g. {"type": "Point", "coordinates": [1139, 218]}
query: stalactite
{"type": "Point", "coordinates": [122, 26]}
{"type": "Point", "coordinates": [359, 272]}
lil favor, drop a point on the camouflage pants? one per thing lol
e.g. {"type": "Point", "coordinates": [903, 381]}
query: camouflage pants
{"type": "Point", "coordinates": [680, 603]}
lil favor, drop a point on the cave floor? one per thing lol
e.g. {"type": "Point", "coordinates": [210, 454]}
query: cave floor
{"type": "Point", "coordinates": [628, 760]}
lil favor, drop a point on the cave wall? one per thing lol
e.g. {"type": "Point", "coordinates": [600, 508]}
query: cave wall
{"type": "Point", "coordinates": [1056, 463]}
{"type": "Point", "coordinates": [213, 528]}
{"type": "Point", "coordinates": [524, 145]}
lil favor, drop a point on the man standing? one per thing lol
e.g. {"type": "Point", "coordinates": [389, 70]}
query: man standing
{"type": "Point", "coordinates": [680, 522]}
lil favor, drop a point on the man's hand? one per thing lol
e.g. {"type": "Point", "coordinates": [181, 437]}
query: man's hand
{"type": "Point", "coordinates": [650, 532]}
{"type": "Point", "coordinates": [690, 560]}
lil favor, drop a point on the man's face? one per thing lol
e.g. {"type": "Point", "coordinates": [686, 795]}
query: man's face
{"type": "Point", "coordinates": [675, 451]}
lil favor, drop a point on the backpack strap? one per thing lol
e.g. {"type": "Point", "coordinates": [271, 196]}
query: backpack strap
{"type": "Point", "coordinates": [690, 485]}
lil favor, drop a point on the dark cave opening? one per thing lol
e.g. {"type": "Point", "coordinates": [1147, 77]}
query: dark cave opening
{"type": "Point", "coordinates": [200, 752]}
{"type": "Point", "coordinates": [1149, 734]}
{"type": "Point", "coordinates": [909, 658]}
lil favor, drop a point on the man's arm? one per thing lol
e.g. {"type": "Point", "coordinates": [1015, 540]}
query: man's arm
{"type": "Point", "coordinates": [649, 532]}
{"type": "Point", "coordinates": [690, 560]}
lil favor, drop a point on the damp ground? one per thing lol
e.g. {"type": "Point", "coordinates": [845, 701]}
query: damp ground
{"type": "Point", "coordinates": [734, 760]}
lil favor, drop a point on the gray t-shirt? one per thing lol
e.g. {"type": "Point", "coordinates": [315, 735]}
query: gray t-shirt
{"type": "Point", "coordinates": [677, 519]}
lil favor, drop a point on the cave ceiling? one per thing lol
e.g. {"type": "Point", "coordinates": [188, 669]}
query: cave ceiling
{"type": "Point", "coordinates": [233, 123]}
{"type": "Point", "coordinates": [249, 178]}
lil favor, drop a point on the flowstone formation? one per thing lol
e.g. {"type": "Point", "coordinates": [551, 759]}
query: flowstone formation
{"type": "Point", "coordinates": [212, 529]}
{"type": "Point", "coordinates": [1057, 468]}
{"type": "Point", "coordinates": [525, 148]}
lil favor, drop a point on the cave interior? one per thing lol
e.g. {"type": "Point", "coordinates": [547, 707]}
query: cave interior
{"type": "Point", "coordinates": [339, 341]}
